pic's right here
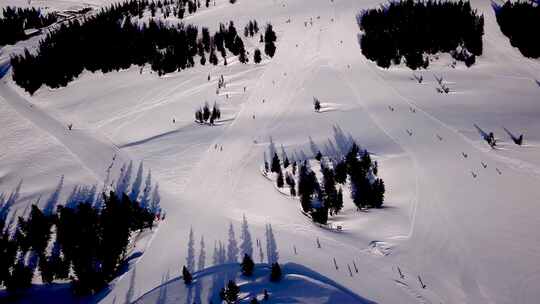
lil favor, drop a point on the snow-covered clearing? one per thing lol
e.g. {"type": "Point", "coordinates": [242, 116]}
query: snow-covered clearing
{"type": "Point", "coordinates": [471, 239]}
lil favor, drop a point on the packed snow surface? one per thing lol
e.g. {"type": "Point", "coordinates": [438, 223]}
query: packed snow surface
{"type": "Point", "coordinates": [467, 227]}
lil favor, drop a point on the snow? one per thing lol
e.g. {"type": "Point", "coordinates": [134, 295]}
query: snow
{"type": "Point", "coordinates": [472, 240]}
{"type": "Point", "coordinates": [298, 285]}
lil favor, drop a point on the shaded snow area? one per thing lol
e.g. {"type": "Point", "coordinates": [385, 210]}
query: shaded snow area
{"type": "Point", "coordinates": [298, 285]}
{"type": "Point", "coordinates": [460, 221]}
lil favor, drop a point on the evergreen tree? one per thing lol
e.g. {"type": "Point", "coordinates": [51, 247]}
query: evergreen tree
{"type": "Point", "coordinates": [275, 273]}
{"type": "Point", "coordinates": [306, 186]}
{"type": "Point", "coordinates": [247, 266]}
{"type": "Point", "coordinates": [318, 156]}
{"type": "Point", "coordinates": [186, 276]}
{"type": "Point", "coordinates": [330, 193]}
{"type": "Point", "coordinates": [320, 214]}
{"type": "Point", "coordinates": [213, 58]}
{"type": "Point", "coordinates": [341, 172]}
{"type": "Point", "coordinates": [257, 56]}
{"type": "Point", "coordinates": [229, 294]}
{"type": "Point", "coordinates": [20, 279]}
{"type": "Point", "coordinates": [279, 180]}
{"type": "Point", "coordinates": [206, 111]}
{"type": "Point", "coordinates": [269, 41]}
{"type": "Point", "coordinates": [275, 167]}
{"type": "Point", "coordinates": [378, 193]}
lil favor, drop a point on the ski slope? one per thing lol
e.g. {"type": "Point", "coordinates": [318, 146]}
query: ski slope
{"type": "Point", "coordinates": [471, 239]}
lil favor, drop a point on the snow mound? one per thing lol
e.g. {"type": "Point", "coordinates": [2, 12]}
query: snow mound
{"type": "Point", "coordinates": [379, 248]}
{"type": "Point", "coordinates": [298, 285]}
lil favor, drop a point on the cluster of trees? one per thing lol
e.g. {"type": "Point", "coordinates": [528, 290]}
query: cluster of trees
{"type": "Point", "coordinates": [205, 114]}
{"type": "Point", "coordinates": [15, 20]}
{"type": "Point", "coordinates": [321, 199]}
{"type": "Point", "coordinates": [88, 246]}
{"type": "Point", "coordinates": [409, 29]}
{"type": "Point", "coordinates": [251, 29]}
{"type": "Point", "coordinates": [518, 21]}
{"type": "Point", "coordinates": [109, 42]}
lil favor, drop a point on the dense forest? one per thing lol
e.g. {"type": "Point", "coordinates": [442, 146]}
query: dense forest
{"type": "Point", "coordinates": [408, 30]}
{"type": "Point", "coordinates": [90, 243]}
{"type": "Point", "coordinates": [84, 241]}
{"type": "Point", "coordinates": [111, 41]}
{"type": "Point", "coordinates": [520, 22]}
{"type": "Point", "coordinates": [15, 20]}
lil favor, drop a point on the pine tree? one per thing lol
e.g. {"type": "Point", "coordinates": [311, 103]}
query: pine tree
{"type": "Point", "coordinates": [247, 266]}
{"type": "Point", "coordinates": [257, 56]}
{"type": "Point", "coordinates": [306, 180]}
{"type": "Point", "coordinates": [316, 104]}
{"type": "Point", "coordinates": [275, 273]}
{"type": "Point", "coordinates": [318, 156]}
{"type": "Point", "coordinates": [341, 172]}
{"type": "Point", "coordinates": [320, 214]}
{"type": "Point", "coordinates": [378, 193]}
{"type": "Point", "coordinates": [203, 59]}
{"type": "Point", "coordinates": [213, 58]}
{"type": "Point", "coordinates": [199, 116]}
{"type": "Point", "coordinates": [206, 111]}
{"type": "Point", "coordinates": [229, 294]}
{"type": "Point", "coordinates": [186, 276]}
{"type": "Point", "coordinates": [279, 180]}
{"type": "Point", "coordinates": [269, 40]}
{"type": "Point", "coordinates": [275, 167]}
{"type": "Point", "coordinates": [330, 193]}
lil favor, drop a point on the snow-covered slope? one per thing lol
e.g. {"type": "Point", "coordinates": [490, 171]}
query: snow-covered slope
{"type": "Point", "coordinates": [298, 285]}
{"type": "Point", "coordinates": [470, 239]}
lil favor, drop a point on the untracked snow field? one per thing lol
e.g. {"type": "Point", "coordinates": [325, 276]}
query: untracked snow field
{"type": "Point", "coordinates": [463, 217]}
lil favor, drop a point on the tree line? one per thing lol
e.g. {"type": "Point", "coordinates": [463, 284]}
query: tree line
{"type": "Point", "coordinates": [111, 41]}
{"type": "Point", "coordinates": [519, 21]}
{"type": "Point", "coordinates": [410, 29]}
{"type": "Point", "coordinates": [321, 199]}
{"type": "Point", "coordinates": [15, 20]}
